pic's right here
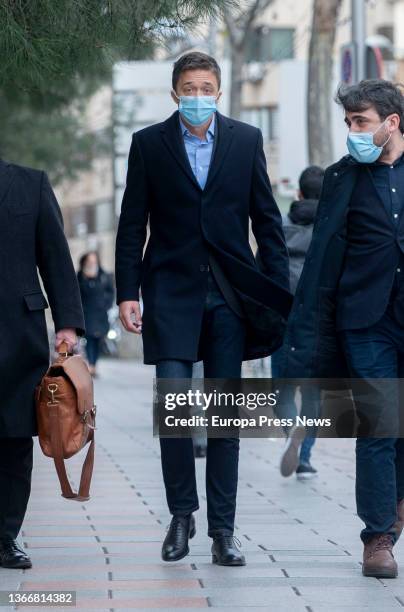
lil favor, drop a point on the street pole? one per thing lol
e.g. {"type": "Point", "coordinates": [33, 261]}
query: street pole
{"type": "Point", "coordinates": [358, 11]}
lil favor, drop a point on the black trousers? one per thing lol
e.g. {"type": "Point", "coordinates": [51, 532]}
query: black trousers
{"type": "Point", "coordinates": [223, 337]}
{"type": "Point", "coordinates": [93, 349]}
{"type": "Point", "coordinates": [16, 457]}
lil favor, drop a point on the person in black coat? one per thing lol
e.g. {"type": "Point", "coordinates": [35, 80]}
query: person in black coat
{"type": "Point", "coordinates": [31, 240]}
{"type": "Point", "coordinates": [97, 295]}
{"type": "Point", "coordinates": [197, 178]}
{"type": "Point", "coordinates": [347, 320]}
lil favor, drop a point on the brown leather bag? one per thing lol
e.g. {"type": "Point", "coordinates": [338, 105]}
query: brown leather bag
{"type": "Point", "coordinates": [66, 418]}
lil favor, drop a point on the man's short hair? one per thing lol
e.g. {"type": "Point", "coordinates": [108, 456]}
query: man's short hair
{"type": "Point", "coordinates": [311, 182]}
{"type": "Point", "coordinates": [195, 61]}
{"type": "Point", "coordinates": [385, 97]}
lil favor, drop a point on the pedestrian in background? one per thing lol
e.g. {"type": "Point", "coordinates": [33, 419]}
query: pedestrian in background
{"type": "Point", "coordinates": [298, 229]}
{"type": "Point", "coordinates": [97, 295]}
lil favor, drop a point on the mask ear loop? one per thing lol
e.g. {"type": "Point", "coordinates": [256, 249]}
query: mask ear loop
{"type": "Point", "coordinates": [383, 145]}
{"type": "Point", "coordinates": [387, 140]}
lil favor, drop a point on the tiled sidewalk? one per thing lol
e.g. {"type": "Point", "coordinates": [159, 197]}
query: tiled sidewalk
{"type": "Point", "coordinates": [300, 539]}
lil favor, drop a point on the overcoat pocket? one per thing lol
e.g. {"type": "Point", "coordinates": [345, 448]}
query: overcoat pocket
{"type": "Point", "coordinates": [35, 301]}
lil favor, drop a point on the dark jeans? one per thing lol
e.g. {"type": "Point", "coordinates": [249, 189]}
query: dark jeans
{"type": "Point", "coordinates": [15, 483]}
{"type": "Point", "coordinates": [286, 406]}
{"type": "Point", "coordinates": [93, 349]}
{"type": "Point", "coordinates": [223, 335]}
{"type": "Point", "coordinates": [371, 353]}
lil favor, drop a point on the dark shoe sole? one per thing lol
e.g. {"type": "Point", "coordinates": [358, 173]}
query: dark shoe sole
{"type": "Point", "coordinates": [290, 457]}
{"type": "Point", "coordinates": [191, 535]}
{"type": "Point", "coordinates": [230, 564]}
{"type": "Point", "coordinates": [178, 558]}
{"type": "Point", "coordinates": [22, 565]}
{"type": "Point", "coordinates": [380, 574]}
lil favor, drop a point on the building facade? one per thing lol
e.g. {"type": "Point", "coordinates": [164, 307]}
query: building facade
{"type": "Point", "coordinates": [274, 83]}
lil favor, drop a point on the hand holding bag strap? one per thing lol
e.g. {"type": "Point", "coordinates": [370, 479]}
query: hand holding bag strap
{"type": "Point", "coordinates": [87, 470]}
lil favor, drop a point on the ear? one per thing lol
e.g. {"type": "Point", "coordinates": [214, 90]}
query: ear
{"type": "Point", "coordinates": [394, 122]}
{"type": "Point", "coordinates": [219, 95]}
{"type": "Point", "coordinates": [175, 97]}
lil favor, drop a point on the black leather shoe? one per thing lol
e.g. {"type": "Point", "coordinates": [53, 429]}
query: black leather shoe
{"type": "Point", "coordinates": [225, 551]}
{"type": "Point", "coordinates": [12, 556]}
{"type": "Point", "coordinates": [175, 545]}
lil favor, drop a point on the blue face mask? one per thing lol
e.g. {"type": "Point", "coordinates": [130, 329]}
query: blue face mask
{"type": "Point", "coordinates": [362, 147]}
{"type": "Point", "coordinates": [197, 109]}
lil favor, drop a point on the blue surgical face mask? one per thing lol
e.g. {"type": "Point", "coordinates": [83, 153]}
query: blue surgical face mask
{"type": "Point", "coordinates": [362, 147]}
{"type": "Point", "coordinates": [197, 109]}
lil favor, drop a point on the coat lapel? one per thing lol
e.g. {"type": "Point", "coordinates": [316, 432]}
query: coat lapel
{"type": "Point", "coordinates": [382, 203]}
{"type": "Point", "coordinates": [223, 136]}
{"type": "Point", "coordinates": [6, 176]}
{"type": "Point", "coordinates": [170, 131]}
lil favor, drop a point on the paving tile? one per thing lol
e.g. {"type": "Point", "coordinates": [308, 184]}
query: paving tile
{"type": "Point", "coordinates": [301, 539]}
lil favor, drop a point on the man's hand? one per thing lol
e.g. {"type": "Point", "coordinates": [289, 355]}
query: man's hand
{"type": "Point", "coordinates": [126, 309]}
{"type": "Point", "coordinates": [66, 335]}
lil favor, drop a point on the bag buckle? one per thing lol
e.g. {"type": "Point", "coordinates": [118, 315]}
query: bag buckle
{"type": "Point", "coordinates": [93, 412]}
{"type": "Point", "coordinates": [52, 388]}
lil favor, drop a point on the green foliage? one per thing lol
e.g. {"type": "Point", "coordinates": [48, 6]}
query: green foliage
{"type": "Point", "coordinates": [54, 140]}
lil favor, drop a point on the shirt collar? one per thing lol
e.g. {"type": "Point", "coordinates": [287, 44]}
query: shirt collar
{"type": "Point", "coordinates": [210, 133]}
{"type": "Point", "coordinates": [397, 162]}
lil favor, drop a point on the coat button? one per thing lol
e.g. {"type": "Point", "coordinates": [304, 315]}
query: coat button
{"type": "Point", "coordinates": [292, 348]}
{"type": "Point", "coordinates": [335, 173]}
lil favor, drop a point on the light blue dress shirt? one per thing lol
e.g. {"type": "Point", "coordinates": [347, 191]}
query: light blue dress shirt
{"type": "Point", "coordinates": [199, 151]}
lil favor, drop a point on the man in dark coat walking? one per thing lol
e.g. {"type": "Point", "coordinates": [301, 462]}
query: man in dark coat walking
{"type": "Point", "coordinates": [31, 240]}
{"type": "Point", "coordinates": [198, 177]}
{"type": "Point", "coordinates": [348, 315]}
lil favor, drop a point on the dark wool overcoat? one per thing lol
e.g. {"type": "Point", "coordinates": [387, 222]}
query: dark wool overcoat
{"type": "Point", "coordinates": [97, 296]}
{"type": "Point", "coordinates": [188, 223]}
{"type": "Point", "coordinates": [311, 346]}
{"type": "Point", "coordinates": [31, 240]}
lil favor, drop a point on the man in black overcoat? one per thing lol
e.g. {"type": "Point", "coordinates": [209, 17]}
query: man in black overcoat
{"type": "Point", "coordinates": [198, 178]}
{"type": "Point", "coordinates": [31, 240]}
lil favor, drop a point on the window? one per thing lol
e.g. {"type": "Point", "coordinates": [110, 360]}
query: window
{"type": "Point", "coordinates": [266, 44]}
{"type": "Point", "coordinates": [264, 118]}
{"type": "Point", "coordinates": [80, 221]}
{"type": "Point", "coordinates": [104, 217]}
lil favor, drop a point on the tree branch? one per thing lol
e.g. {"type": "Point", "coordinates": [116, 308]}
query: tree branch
{"type": "Point", "coordinates": [239, 26]}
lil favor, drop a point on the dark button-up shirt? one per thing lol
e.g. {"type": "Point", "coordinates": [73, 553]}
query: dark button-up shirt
{"type": "Point", "coordinates": [389, 182]}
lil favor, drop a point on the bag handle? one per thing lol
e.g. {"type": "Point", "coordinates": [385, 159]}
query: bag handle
{"type": "Point", "coordinates": [83, 493]}
{"type": "Point", "coordinates": [63, 349]}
